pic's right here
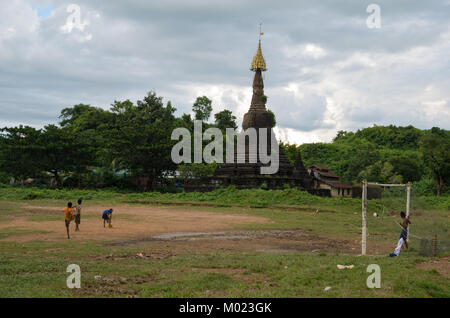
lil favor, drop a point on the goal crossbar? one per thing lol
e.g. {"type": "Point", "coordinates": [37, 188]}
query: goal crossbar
{"type": "Point", "coordinates": [387, 185]}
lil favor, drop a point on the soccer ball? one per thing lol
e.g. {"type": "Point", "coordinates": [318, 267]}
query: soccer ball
{"type": "Point", "coordinates": [375, 214]}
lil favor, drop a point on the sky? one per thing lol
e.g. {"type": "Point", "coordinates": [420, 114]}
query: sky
{"type": "Point", "coordinates": [329, 69]}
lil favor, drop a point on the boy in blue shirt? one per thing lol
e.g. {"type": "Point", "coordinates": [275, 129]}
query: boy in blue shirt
{"type": "Point", "coordinates": [107, 217]}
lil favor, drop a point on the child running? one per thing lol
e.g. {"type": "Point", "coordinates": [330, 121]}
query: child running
{"type": "Point", "coordinates": [403, 235]}
{"type": "Point", "coordinates": [107, 217]}
{"type": "Point", "coordinates": [69, 217]}
{"type": "Point", "coordinates": [78, 215]}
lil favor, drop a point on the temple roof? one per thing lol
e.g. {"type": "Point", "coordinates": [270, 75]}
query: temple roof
{"type": "Point", "coordinates": [258, 60]}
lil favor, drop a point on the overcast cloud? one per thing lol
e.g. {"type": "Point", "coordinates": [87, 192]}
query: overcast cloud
{"type": "Point", "coordinates": [327, 71]}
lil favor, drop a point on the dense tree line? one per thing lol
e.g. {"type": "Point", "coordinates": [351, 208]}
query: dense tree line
{"type": "Point", "coordinates": [94, 147]}
{"type": "Point", "coordinates": [384, 154]}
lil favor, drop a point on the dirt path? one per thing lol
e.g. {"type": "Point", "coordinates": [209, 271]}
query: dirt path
{"type": "Point", "coordinates": [183, 229]}
{"type": "Point", "coordinates": [128, 222]}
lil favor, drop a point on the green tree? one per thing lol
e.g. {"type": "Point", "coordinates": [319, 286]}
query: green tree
{"type": "Point", "coordinates": [435, 148]}
{"type": "Point", "coordinates": [57, 151]}
{"type": "Point", "coordinates": [225, 119]}
{"type": "Point", "coordinates": [202, 108]}
{"type": "Point", "coordinates": [272, 115]}
{"type": "Point", "coordinates": [390, 136]}
{"type": "Point", "coordinates": [84, 117]}
{"type": "Point", "coordinates": [185, 121]}
{"type": "Point", "coordinates": [71, 114]}
{"type": "Point", "coordinates": [324, 154]}
{"type": "Point", "coordinates": [407, 164]}
{"type": "Point", "coordinates": [27, 152]}
{"type": "Point", "coordinates": [88, 125]}
{"type": "Point", "coordinates": [342, 136]}
{"type": "Point", "coordinates": [19, 157]}
{"type": "Point", "coordinates": [380, 172]}
{"type": "Point", "coordinates": [140, 139]}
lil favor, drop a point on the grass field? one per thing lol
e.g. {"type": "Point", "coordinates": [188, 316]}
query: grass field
{"type": "Point", "coordinates": [229, 243]}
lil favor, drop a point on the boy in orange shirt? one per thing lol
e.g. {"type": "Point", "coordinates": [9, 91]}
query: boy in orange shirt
{"type": "Point", "coordinates": [69, 216]}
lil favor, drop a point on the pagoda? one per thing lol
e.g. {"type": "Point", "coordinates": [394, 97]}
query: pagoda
{"type": "Point", "coordinates": [248, 175]}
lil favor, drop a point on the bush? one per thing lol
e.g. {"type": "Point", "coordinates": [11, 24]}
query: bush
{"type": "Point", "coordinates": [426, 186]}
{"type": "Point", "coordinates": [224, 197]}
{"type": "Point", "coordinates": [4, 178]}
{"type": "Point", "coordinates": [33, 195]}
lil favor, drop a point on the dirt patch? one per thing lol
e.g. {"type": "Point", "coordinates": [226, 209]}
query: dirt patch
{"type": "Point", "coordinates": [220, 235]}
{"type": "Point", "coordinates": [442, 265]}
{"type": "Point", "coordinates": [178, 230]}
{"type": "Point", "coordinates": [128, 222]}
{"type": "Point", "coordinates": [248, 241]}
{"type": "Point", "coordinates": [237, 274]}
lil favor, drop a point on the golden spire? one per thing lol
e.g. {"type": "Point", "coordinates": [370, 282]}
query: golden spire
{"type": "Point", "coordinates": [258, 60]}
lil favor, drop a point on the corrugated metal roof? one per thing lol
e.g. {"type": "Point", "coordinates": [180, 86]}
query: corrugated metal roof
{"type": "Point", "coordinates": [319, 167]}
{"type": "Point", "coordinates": [337, 184]}
{"type": "Point", "coordinates": [327, 174]}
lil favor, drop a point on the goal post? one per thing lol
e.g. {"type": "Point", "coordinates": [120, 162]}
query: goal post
{"type": "Point", "coordinates": [364, 208]}
{"type": "Point", "coordinates": [408, 202]}
{"type": "Point", "coordinates": [364, 218]}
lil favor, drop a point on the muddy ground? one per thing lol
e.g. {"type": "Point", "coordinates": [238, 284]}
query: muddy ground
{"type": "Point", "coordinates": [128, 222]}
{"type": "Point", "coordinates": [176, 229]}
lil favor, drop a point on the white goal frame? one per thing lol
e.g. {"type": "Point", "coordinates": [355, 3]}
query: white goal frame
{"type": "Point", "coordinates": [364, 208]}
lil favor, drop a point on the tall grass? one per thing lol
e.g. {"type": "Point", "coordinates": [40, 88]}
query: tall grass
{"type": "Point", "coordinates": [223, 197]}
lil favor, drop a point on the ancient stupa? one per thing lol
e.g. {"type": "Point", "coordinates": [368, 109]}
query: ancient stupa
{"type": "Point", "coordinates": [248, 175]}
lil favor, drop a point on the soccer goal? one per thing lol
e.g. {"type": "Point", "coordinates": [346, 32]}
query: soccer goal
{"type": "Point", "coordinates": [364, 208]}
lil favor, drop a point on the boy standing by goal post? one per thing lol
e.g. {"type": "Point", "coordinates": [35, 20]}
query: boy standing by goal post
{"type": "Point", "coordinates": [403, 235]}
